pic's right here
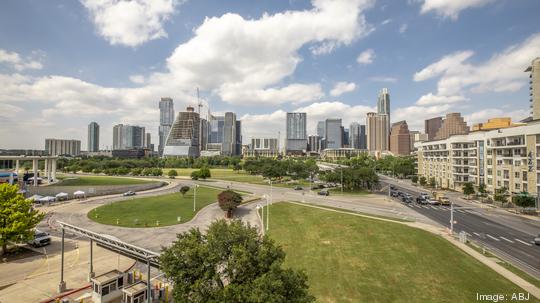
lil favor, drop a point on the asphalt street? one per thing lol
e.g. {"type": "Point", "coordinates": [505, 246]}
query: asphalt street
{"type": "Point", "coordinates": [511, 244]}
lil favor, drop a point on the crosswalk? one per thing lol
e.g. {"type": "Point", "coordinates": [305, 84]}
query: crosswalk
{"type": "Point", "coordinates": [439, 207]}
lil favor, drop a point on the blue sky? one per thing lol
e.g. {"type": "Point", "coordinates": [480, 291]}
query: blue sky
{"type": "Point", "coordinates": [64, 64]}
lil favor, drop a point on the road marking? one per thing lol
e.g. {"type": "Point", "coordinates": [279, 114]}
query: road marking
{"type": "Point", "coordinates": [433, 207]}
{"type": "Point", "coordinates": [477, 234]}
{"type": "Point", "coordinates": [467, 234]}
{"type": "Point", "coordinates": [523, 242]}
{"type": "Point", "coordinates": [491, 237]}
{"type": "Point", "coordinates": [506, 239]}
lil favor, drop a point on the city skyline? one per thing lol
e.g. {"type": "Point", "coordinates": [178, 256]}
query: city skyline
{"type": "Point", "coordinates": [120, 78]}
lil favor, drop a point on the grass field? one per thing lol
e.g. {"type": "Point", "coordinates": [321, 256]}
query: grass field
{"type": "Point", "coordinates": [353, 259]}
{"type": "Point", "coordinates": [143, 212]}
{"type": "Point", "coordinates": [99, 180]}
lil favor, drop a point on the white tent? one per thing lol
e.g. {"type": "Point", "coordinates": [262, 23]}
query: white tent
{"type": "Point", "coordinates": [61, 196]}
{"type": "Point", "coordinates": [47, 199]}
{"type": "Point", "coordinates": [35, 198]}
{"type": "Point", "coordinates": [79, 194]}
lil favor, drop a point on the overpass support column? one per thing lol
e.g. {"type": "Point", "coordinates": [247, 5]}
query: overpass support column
{"type": "Point", "coordinates": [91, 264]}
{"type": "Point", "coordinates": [17, 167]}
{"type": "Point", "coordinates": [35, 169]}
{"type": "Point", "coordinates": [148, 286]}
{"type": "Point", "coordinates": [46, 170]}
{"type": "Point", "coordinates": [53, 170]}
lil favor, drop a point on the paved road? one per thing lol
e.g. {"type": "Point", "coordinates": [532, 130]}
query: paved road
{"type": "Point", "coordinates": [514, 245]}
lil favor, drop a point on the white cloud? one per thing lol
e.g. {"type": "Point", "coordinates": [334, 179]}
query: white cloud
{"type": "Point", "coordinates": [324, 48]}
{"type": "Point", "coordinates": [403, 28]}
{"type": "Point", "coordinates": [503, 72]}
{"type": "Point", "coordinates": [383, 79]}
{"type": "Point", "coordinates": [137, 79]}
{"type": "Point", "coordinates": [431, 99]}
{"type": "Point", "coordinates": [9, 111]}
{"type": "Point", "coordinates": [450, 8]}
{"type": "Point", "coordinates": [342, 87]}
{"type": "Point", "coordinates": [130, 23]}
{"type": "Point", "coordinates": [294, 93]}
{"type": "Point", "coordinates": [386, 21]}
{"type": "Point", "coordinates": [485, 114]}
{"type": "Point", "coordinates": [366, 57]}
{"type": "Point", "coordinates": [15, 61]}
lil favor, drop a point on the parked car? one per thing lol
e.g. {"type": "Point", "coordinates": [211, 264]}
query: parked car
{"type": "Point", "coordinates": [323, 193]}
{"type": "Point", "coordinates": [298, 187]}
{"type": "Point", "coordinates": [129, 193]}
{"type": "Point", "coordinates": [420, 200]}
{"type": "Point", "coordinates": [394, 194]}
{"type": "Point", "coordinates": [392, 187]}
{"type": "Point", "coordinates": [433, 202]}
{"type": "Point", "coordinates": [537, 240]}
{"type": "Point", "coordinates": [406, 199]}
{"type": "Point", "coordinates": [40, 239]}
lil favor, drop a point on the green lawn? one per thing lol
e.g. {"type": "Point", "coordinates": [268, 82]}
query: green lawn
{"type": "Point", "coordinates": [148, 210]}
{"type": "Point", "coordinates": [99, 180]}
{"type": "Point", "coordinates": [354, 259]}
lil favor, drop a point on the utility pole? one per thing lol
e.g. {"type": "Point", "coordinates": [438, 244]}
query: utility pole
{"type": "Point", "coordinates": [451, 217]}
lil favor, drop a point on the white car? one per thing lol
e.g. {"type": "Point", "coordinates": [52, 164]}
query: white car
{"type": "Point", "coordinates": [433, 202]}
{"type": "Point", "coordinates": [537, 240]}
{"type": "Point", "coordinates": [40, 239]}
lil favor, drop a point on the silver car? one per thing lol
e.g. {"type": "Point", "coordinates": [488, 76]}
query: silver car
{"type": "Point", "coordinates": [40, 239]}
{"type": "Point", "coordinates": [537, 240]}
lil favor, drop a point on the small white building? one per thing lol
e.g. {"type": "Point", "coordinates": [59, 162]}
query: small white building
{"type": "Point", "coordinates": [108, 286]}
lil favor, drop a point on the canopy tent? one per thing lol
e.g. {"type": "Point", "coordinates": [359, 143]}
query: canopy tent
{"type": "Point", "coordinates": [61, 196]}
{"type": "Point", "coordinates": [79, 194]}
{"type": "Point", "coordinates": [35, 197]}
{"type": "Point", "coordinates": [47, 199]}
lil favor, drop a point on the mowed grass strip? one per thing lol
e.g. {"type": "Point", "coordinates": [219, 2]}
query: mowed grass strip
{"type": "Point", "coordinates": [145, 212]}
{"type": "Point", "coordinates": [99, 180]}
{"type": "Point", "coordinates": [353, 259]}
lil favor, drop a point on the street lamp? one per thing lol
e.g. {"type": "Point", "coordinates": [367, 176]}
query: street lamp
{"type": "Point", "coordinates": [451, 217]}
{"type": "Point", "coordinates": [259, 207]}
{"type": "Point", "coordinates": [267, 211]}
{"type": "Point", "coordinates": [195, 196]}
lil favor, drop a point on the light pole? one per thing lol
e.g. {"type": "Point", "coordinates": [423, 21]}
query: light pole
{"type": "Point", "coordinates": [259, 207]}
{"type": "Point", "coordinates": [195, 196]}
{"type": "Point", "coordinates": [451, 217]}
{"type": "Point", "coordinates": [267, 211]}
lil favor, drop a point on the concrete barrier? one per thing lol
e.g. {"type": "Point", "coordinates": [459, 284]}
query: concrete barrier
{"type": "Point", "coordinates": [91, 191]}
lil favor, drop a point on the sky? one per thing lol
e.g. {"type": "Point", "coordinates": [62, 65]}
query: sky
{"type": "Point", "coordinates": [64, 64]}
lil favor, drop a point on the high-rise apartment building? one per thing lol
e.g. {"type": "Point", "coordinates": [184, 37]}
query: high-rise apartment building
{"type": "Point", "coordinates": [534, 80]}
{"type": "Point", "coordinates": [431, 126]}
{"type": "Point", "coordinates": [166, 119]}
{"type": "Point", "coordinates": [383, 104]}
{"type": "Point", "coordinates": [400, 139]}
{"type": "Point", "coordinates": [377, 132]}
{"type": "Point", "coordinates": [453, 124]}
{"type": "Point", "coordinates": [357, 136]}
{"type": "Point", "coordinates": [93, 137]}
{"type": "Point", "coordinates": [183, 139]}
{"type": "Point", "coordinates": [148, 141]}
{"type": "Point", "coordinates": [229, 134]}
{"type": "Point", "coordinates": [59, 147]}
{"type": "Point", "coordinates": [320, 129]}
{"type": "Point", "coordinates": [128, 137]}
{"type": "Point", "coordinates": [333, 133]}
{"type": "Point", "coordinates": [296, 129]}
{"type": "Point", "coordinates": [263, 147]}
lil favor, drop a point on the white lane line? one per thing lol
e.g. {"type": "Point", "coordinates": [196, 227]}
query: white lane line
{"type": "Point", "coordinates": [507, 240]}
{"type": "Point", "coordinates": [476, 234]}
{"type": "Point", "coordinates": [433, 207]}
{"type": "Point", "coordinates": [523, 242]}
{"type": "Point", "coordinates": [425, 207]}
{"type": "Point", "coordinates": [491, 237]}
{"type": "Point", "coordinates": [467, 234]}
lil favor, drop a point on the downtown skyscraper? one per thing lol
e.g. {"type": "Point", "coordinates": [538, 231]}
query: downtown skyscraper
{"type": "Point", "coordinates": [93, 137]}
{"type": "Point", "coordinates": [296, 128]}
{"type": "Point", "coordinates": [166, 119]}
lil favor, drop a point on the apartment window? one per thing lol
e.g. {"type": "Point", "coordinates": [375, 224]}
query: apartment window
{"type": "Point", "coordinates": [506, 174]}
{"type": "Point", "coordinates": [499, 162]}
{"type": "Point", "coordinates": [506, 184]}
{"type": "Point", "coordinates": [490, 171]}
{"type": "Point", "coordinates": [516, 175]}
{"type": "Point", "coordinates": [517, 186]}
{"type": "Point", "coordinates": [498, 183]}
{"type": "Point", "coordinates": [524, 175]}
{"type": "Point", "coordinates": [498, 173]}
{"type": "Point", "coordinates": [525, 189]}
{"type": "Point", "coordinates": [489, 181]}
{"type": "Point", "coordinates": [489, 162]}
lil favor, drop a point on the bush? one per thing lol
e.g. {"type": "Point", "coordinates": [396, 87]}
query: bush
{"type": "Point", "coordinates": [524, 200]}
{"type": "Point", "coordinates": [195, 175]}
{"type": "Point", "coordinates": [172, 173]}
{"type": "Point", "coordinates": [414, 179]}
{"type": "Point", "coordinates": [184, 189]}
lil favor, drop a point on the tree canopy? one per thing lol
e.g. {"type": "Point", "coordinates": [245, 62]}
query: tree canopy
{"type": "Point", "coordinates": [229, 200]}
{"type": "Point", "coordinates": [17, 217]}
{"type": "Point", "coordinates": [231, 263]}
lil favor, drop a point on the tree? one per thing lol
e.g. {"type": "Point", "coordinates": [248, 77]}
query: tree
{"type": "Point", "coordinates": [482, 189]}
{"type": "Point", "coordinates": [422, 181]}
{"type": "Point", "coordinates": [524, 200]}
{"type": "Point", "coordinates": [432, 182]}
{"type": "Point", "coordinates": [204, 173]}
{"type": "Point", "coordinates": [17, 217]}
{"type": "Point", "coordinates": [414, 179]}
{"type": "Point", "coordinates": [231, 263]}
{"type": "Point", "coordinates": [468, 189]}
{"type": "Point", "coordinates": [184, 189]}
{"type": "Point", "coordinates": [237, 167]}
{"type": "Point", "coordinates": [229, 200]}
{"type": "Point", "coordinates": [172, 173]}
{"type": "Point", "coordinates": [501, 195]}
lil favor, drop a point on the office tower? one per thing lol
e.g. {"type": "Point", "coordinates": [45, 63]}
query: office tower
{"type": "Point", "coordinates": [534, 80]}
{"type": "Point", "coordinates": [128, 137]}
{"type": "Point", "coordinates": [93, 137]}
{"type": "Point", "coordinates": [400, 139]}
{"type": "Point", "coordinates": [229, 145]}
{"type": "Point", "coordinates": [363, 139]}
{"type": "Point", "coordinates": [344, 137]}
{"type": "Point", "coordinates": [296, 140]}
{"type": "Point", "coordinates": [431, 126]}
{"type": "Point", "coordinates": [148, 141]}
{"type": "Point", "coordinates": [314, 143]}
{"type": "Point", "coordinates": [333, 133]}
{"type": "Point", "coordinates": [453, 124]}
{"type": "Point", "coordinates": [59, 147]}
{"type": "Point", "coordinates": [417, 137]}
{"type": "Point", "coordinates": [320, 129]}
{"type": "Point", "coordinates": [238, 150]}
{"type": "Point", "coordinates": [205, 134]}
{"type": "Point", "coordinates": [166, 119]}
{"type": "Point", "coordinates": [377, 131]}
{"type": "Point", "coordinates": [354, 135]}
{"type": "Point", "coordinates": [383, 103]}
{"type": "Point", "coordinates": [183, 138]}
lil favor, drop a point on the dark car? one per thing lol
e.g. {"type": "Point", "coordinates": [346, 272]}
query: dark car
{"type": "Point", "coordinates": [298, 187]}
{"type": "Point", "coordinates": [129, 193]}
{"type": "Point", "coordinates": [537, 240]}
{"type": "Point", "coordinates": [421, 200]}
{"type": "Point", "coordinates": [394, 194]}
{"type": "Point", "coordinates": [406, 199]}
{"type": "Point", "coordinates": [323, 193]}
{"type": "Point", "coordinates": [392, 187]}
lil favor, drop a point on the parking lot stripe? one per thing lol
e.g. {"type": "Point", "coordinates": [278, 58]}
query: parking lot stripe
{"type": "Point", "coordinates": [523, 242]}
{"type": "Point", "coordinates": [507, 240]}
{"type": "Point", "coordinates": [491, 237]}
